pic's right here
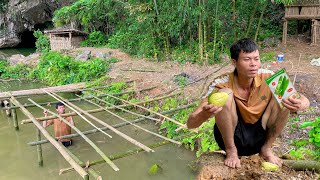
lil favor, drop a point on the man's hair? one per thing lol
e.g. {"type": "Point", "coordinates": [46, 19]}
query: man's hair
{"type": "Point", "coordinates": [246, 45]}
{"type": "Point", "coordinates": [59, 104]}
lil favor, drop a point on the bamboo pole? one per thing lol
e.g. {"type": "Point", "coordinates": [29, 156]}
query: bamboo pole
{"type": "Point", "coordinates": [172, 120]}
{"type": "Point", "coordinates": [77, 99]}
{"type": "Point", "coordinates": [128, 138]}
{"type": "Point", "coordinates": [14, 117]}
{"type": "Point", "coordinates": [135, 151]}
{"type": "Point", "coordinates": [95, 147]}
{"type": "Point", "coordinates": [57, 145]}
{"type": "Point", "coordinates": [39, 149]}
{"type": "Point", "coordinates": [115, 126]}
{"type": "Point", "coordinates": [84, 118]}
{"type": "Point", "coordinates": [27, 121]}
{"type": "Point", "coordinates": [158, 135]}
{"type": "Point", "coordinates": [91, 171]}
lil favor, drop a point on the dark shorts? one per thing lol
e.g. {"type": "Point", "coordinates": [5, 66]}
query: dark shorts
{"type": "Point", "coordinates": [248, 138]}
{"type": "Point", "coordinates": [67, 143]}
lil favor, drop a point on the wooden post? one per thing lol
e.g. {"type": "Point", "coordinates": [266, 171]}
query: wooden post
{"type": "Point", "coordinates": [285, 29]}
{"type": "Point", "coordinates": [14, 117]}
{"type": "Point", "coordinates": [39, 149]}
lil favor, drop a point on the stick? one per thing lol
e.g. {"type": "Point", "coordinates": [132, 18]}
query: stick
{"type": "Point", "coordinates": [57, 145]}
{"type": "Point", "coordinates": [294, 80]}
{"type": "Point", "coordinates": [128, 138]}
{"type": "Point", "coordinates": [301, 165]}
{"type": "Point", "coordinates": [158, 135]}
{"type": "Point", "coordinates": [115, 126]}
{"type": "Point", "coordinates": [141, 70]}
{"type": "Point", "coordinates": [95, 147]}
{"type": "Point", "coordinates": [172, 120]}
{"type": "Point", "coordinates": [79, 114]}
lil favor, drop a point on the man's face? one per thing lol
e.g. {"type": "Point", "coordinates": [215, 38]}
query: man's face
{"type": "Point", "coordinates": [248, 64]}
{"type": "Point", "coordinates": [61, 109]}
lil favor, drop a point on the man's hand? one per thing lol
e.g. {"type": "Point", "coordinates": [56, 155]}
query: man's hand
{"type": "Point", "coordinates": [45, 112]}
{"type": "Point", "coordinates": [210, 110]}
{"type": "Point", "coordinates": [293, 104]}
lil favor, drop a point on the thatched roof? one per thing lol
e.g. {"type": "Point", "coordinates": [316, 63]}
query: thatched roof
{"type": "Point", "coordinates": [66, 31]}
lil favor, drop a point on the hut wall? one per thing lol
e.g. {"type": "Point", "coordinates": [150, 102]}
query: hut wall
{"type": "Point", "coordinates": [57, 43]}
{"type": "Point", "coordinates": [76, 40]}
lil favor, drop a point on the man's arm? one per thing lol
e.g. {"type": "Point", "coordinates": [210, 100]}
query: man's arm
{"type": "Point", "coordinates": [46, 123]}
{"type": "Point", "coordinates": [203, 112]}
{"type": "Point", "coordinates": [71, 120]}
{"type": "Point", "coordinates": [294, 104]}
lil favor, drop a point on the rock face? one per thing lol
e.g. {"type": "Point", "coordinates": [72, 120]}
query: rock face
{"type": "Point", "coordinates": [19, 16]}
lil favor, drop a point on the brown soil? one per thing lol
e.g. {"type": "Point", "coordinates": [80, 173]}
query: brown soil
{"type": "Point", "coordinates": [163, 75]}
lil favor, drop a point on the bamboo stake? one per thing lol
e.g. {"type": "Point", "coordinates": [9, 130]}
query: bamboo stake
{"type": "Point", "coordinates": [26, 121]}
{"type": "Point", "coordinates": [79, 114]}
{"type": "Point", "coordinates": [158, 135]}
{"type": "Point", "coordinates": [91, 171]}
{"type": "Point", "coordinates": [39, 149]}
{"type": "Point", "coordinates": [128, 138]}
{"type": "Point", "coordinates": [294, 79]}
{"type": "Point", "coordinates": [115, 126]}
{"type": "Point", "coordinates": [135, 151]}
{"type": "Point", "coordinates": [172, 120]}
{"type": "Point", "coordinates": [57, 145]}
{"type": "Point", "coordinates": [15, 118]}
{"type": "Point", "coordinates": [77, 99]}
{"type": "Point", "coordinates": [95, 147]}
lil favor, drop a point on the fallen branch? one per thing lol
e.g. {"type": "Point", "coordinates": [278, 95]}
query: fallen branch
{"type": "Point", "coordinates": [301, 165]}
{"type": "Point", "coordinates": [140, 70]}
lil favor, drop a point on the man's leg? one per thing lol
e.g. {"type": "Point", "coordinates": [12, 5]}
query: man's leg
{"type": "Point", "coordinates": [274, 120]}
{"type": "Point", "coordinates": [226, 121]}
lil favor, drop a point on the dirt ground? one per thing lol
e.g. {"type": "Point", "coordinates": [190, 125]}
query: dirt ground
{"type": "Point", "coordinates": [297, 56]}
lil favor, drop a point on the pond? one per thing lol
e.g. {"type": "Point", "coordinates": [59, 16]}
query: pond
{"type": "Point", "coordinates": [7, 52]}
{"type": "Point", "coordinates": [19, 160]}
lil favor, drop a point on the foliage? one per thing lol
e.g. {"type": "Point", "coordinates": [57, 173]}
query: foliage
{"type": "Point", "coordinates": [95, 39]}
{"type": "Point", "coordinates": [302, 153]}
{"type": "Point", "coordinates": [268, 56]}
{"type": "Point", "coordinates": [181, 80]}
{"type": "Point", "coordinates": [15, 72]}
{"type": "Point", "coordinates": [58, 69]}
{"type": "Point", "coordinates": [42, 42]}
{"type": "Point", "coordinates": [173, 30]}
{"type": "Point", "coordinates": [314, 133]}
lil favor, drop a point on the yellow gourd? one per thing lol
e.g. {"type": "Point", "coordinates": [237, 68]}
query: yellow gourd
{"type": "Point", "coordinates": [218, 98]}
{"type": "Point", "coordinates": [267, 166]}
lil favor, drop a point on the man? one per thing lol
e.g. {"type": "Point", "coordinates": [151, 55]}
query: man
{"type": "Point", "coordinates": [251, 120]}
{"type": "Point", "coordinates": [60, 128]}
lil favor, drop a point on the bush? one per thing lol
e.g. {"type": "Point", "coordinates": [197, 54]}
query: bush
{"type": "Point", "coordinates": [95, 39]}
{"type": "Point", "coordinates": [43, 42]}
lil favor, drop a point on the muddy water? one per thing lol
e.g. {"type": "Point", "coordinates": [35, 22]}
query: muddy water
{"type": "Point", "coordinates": [19, 160]}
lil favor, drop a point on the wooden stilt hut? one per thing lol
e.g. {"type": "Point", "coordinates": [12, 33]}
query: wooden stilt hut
{"type": "Point", "coordinates": [304, 10]}
{"type": "Point", "coordinates": [65, 38]}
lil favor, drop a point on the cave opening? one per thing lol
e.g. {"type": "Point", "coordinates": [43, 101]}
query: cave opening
{"type": "Point", "coordinates": [27, 39]}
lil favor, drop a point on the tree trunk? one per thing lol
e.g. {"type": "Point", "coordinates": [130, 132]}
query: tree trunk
{"type": "Point", "coordinates": [252, 17]}
{"type": "Point", "coordinates": [260, 19]}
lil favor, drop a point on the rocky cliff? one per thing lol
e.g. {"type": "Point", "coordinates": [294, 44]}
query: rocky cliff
{"type": "Point", "coordinates": [20, 16]}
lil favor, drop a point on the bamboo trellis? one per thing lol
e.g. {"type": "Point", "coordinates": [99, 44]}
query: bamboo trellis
{"type": "Point", "coordinates": [74, 161]}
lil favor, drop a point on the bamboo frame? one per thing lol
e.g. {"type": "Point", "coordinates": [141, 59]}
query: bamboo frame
{"type": "Point", "coordinates": [27, 121]}
{"type": "Point", "coordinates": [94, 146]}
{"type": "Point", "coordinates": [115, 126]}
{"type": "Point", "coordinates": [123, 119]}
{"type": "Point", "coordinates": [134, 151]}
{"type": "Point", "coordinates": [128, 138]}
{"type": "Point", "coordinates": [57, 145]}
{"type": "Point", "coordinates": [77, 99]}
{"type": "Point", "coordinates": [144, 108]}
{"type": "Point", "coordinates": [84, 118]}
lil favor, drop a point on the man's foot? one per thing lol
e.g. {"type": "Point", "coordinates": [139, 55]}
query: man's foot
{"type": "Point", "coordinates": [232, 160]}
{"type": "Point", "coordinates": [267, 154]}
